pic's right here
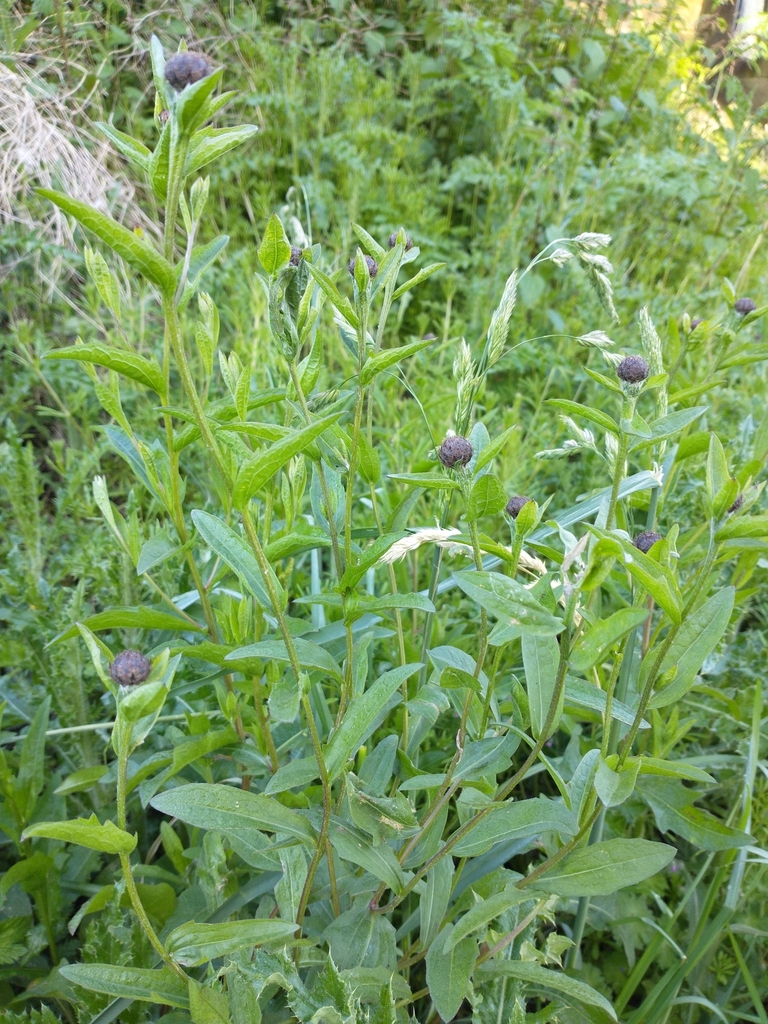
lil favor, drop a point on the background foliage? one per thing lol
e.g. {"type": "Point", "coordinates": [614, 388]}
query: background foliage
{"type": "Point", "coordinates": [487, 130]}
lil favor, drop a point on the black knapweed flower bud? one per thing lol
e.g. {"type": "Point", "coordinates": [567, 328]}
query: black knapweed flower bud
{"type": "Point", "coordinates": [737, 504]}
{"type": "Point", "coordinates": [164, 117]}
{"type": "Point", "coordinates": [744, 306]}
{"type": "Point", "coordinates": [296, 255]}
{"type": "Point", "coordinates": [130, 668]}
{"type": "Point", "coordinates": [696, 321]}
{"type": "Point", "coordinates": [455, 451]}
{"type": "Point", "coordinates": [392, 241]}
{"type": "Point", "coordinates": [632, 370]}
{"type": "Point", "coordinates": [515, 504]}
{"type": "Point", "coordinates": [370, 262]}
{"type": "Point", "coordinates": [644, 541]}
{"type": "Point", "coordinates": [185, 69]}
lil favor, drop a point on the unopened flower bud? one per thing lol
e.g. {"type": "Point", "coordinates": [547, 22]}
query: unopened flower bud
{"type": "Point", "coordinates": [370, 262]}
{"type": "Point", "coordinates": [737, 503]}
{"type": "Point", "coordinates": [296, 255]}
{"type": "Point", "coordinates": [130, 668]}
{"type": "Point", "coordinates": [696, 321]}
{"type": "Point", "coordinates": [632, 370]}
{"type": "Point", "coordinates": [644, 541]}
{"type": "Point", "coordinates": [455, 451]}
{"type": "Point", "coordinates": [744, 306]}
{"type": "Point", "coordinates": [392, 241]}
{"type": "Point", "coordinates": [515, 504]}
{"type": "Point", "coordinates": [185, 69]}
{"type": "Point", "coordinates": [164, 116]}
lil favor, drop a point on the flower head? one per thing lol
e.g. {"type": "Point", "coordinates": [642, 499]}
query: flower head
{"type": "Point", "coordinates": [370, 262]}
{"type": "Point", "coordinates": [632, 370]}
{"type": "Point", "coordinates": [455, 451]}
{"type": "Point", "coordinates": [130, 668]}
{"type": "Point", "coordinates": [392, 241]}
{"type": "Point", "coordinates": [644, 541]}
{"type": "Point", "coordinates": [744, 306]}
{"type": "Point", "coordinates": [515, 505]}
{"type": "Point", "coordinates": [185, 69]}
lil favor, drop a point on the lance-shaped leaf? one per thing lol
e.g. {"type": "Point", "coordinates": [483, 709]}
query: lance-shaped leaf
{"type": "Point", "coordinates": [671, 803]}
{"type": "Point", "coordinates": [144, 371]}
{"type": "Point", "coordinates": [412, 282]}
{"type": "Point", "coordinates": [485, 911]}
{"type": "Point", "coordinates": [233, 550]}
{"type": "Point", "coordinates": [193, 943]}
{"type": "Point", "coordinates": [162, 987]}
{"type": "Point", "coordinates": [376, 364]}
{"type": "Point", "coordinates": [449, 973]}
{"type": "Point", "coordinates": [211, 143]}
{"type": "Point", "coordinates": [263, 466]}
{"type": "Point", "coordinates": [275, 250]}
{"type": "Point", "coordinates": [361, 715]}
{"type": "Point", "coordinates": [223, 809]}
{"type": "Point", "coordinates": [89, 832]}
{"type": "Point", "coordinates": [602, 868]}
{"type": "Point", "coordinates": [310, 655]}
{"type": "Point", "coordinates": [513, 604]}
{"type": "Point", "coordinates": [516, 820]}
{"type": "Point", "coordinates": [567, 989]}
{"type": "Point", "coordinates": [131, 148]}
{"type": "Point", "coordinates": [352, 844]}
{"type": "Point", "coordinates": [342, 304]}
{"type": "Point", "coordinates": [541, 657]}
{"type": "Point", "coordinates": [134, 250]}
{"type": "Point", "coordinates": [595, 416]}
{"type": "Point", "coordinates": [129, 618]}
{"type": "Point", "coordinates": [656, 578]}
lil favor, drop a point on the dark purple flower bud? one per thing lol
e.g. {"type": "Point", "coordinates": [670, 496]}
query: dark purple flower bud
{"type": "Point", "coordinates": [744, 306]}
{"type": "Point", "coordinates": [696, 321]}
{"type": "Point", "coordinates": [632, 370]}
{"type": "Point", "coordinates": [130, 668]}
{"type": "Point", "coordinates": [185, 69]}
{"type": "Point", "coordinates": [737, 503]}
{"type": "Point", "coordinates": [392, 241]}
{"type": "Point", "coordinates": [455, 451]}
{"type": "Point", "coordinates": [296, 255]}
{"type": "Point", "coordinates": [370, 262]}
{"type": "Point", "coordinates": [515, 504]}
{"type": "Point", "coordinates": [644, 541]}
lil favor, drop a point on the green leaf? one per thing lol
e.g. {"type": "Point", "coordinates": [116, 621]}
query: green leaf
{"type": "Point", "coordinates": [342, 304]}
{"type": "Point", "coordinates": [233, 550]}
{"type": "Point", "coordinates": [492, 449]}
{"type": "Point", "coordinates": [361, 716]}
{"type": "Point", "coordinates": [581, 694]}
{"type": "Point", "coordinates": [485, 911]}
{"type": "Point", "coordinates": [310, 655]}
{"type": "Point", "coordinates": [144, 371]}
{"type": "Point", "coordinates": [383, 360]}
{"type": "Point", "coordinates": [299, 773]}
{"type": "Point", "coordinates": [487, 498]}
{"type": "Point", "coordinates": [212, 143]}
{"type": "Point", "coordinates": [134, 250]}
{"type": "Point", "coordinates": [541, 657]}
{"type": "Point", "coordinates": [129, 618]}
{"type": "Point", "coordinates": [162, 987]}
{"type": "Point", "coordinates": [253, 474]}
{"type": "Point", "coordinates": [422, 275]}
{"type": "Point", "coordinates": [602, 868]}
{"type": "Point", "coordinates": [668, 426]}
{"type": "Point", "coordinates": [674, 769]}
{"type": "Point", "coordinates": [208, 1004]}
{"type": "Point", "coordinates": [382, 817]}
{"type": "Point", "coordinates": [696, 639]}
{"type": "Point", "coordinates": [192, 943]}
{"type": "Point", "coordinates": [549, 981]}
{"type": "Point", "coordinates": [220, 808]}
{"type": "Point", "coordinates": [601, 419]}
{"type": "Point", "coordinates": [107, 838]}
{"type": "Point", "coordinates": [275, 250]}
{"type": "Point", "coordinates": [191, 101]}
{"type": "Point", "coordinates": [518, 611]}
{"type": "Point", "coordinates": [203, 256]}
{"type": "Point", "coordinates": [369, 557]}
{"type": "Point", "coordinates": [717, 468]}
{"type": "Point", "coordinates": [614, 787]}
{"type": "Point", "coordinates": [30, 778]}
{"type": "Point", "coordinates": [434, 900]}
{"type": "Point", "coordinates": [743, 526]}
{"type": "Point", "coordinates": [671, 803]}
{"type": "Point", "coordinates": [352, 844]}
{"type": "Point", "coordinates": [131, 148]}
{"type": "Point", "coordinates": [438, 480]}
{"type": "Point", "coordinates": [449, 973]}
{"type": "Point", "coordinates": [657, 579]}
{"type": "Point", "coordinates": [81, 781]}
{"type": "Point", "coordinates": [516, 820]}
{"type": "Point", "coordinates": [593, 647]}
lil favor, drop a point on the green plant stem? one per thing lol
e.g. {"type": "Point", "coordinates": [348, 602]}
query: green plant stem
{"type": "Point", "coordinates": [125, 863]}
{"type": "Point", "coordinates": [177, 159]}
{"type": "Point", "coordinates": [266, 732]}
{"type": "Point", "coordinates": [322, 843]}
{"type": "Point", "coordinates": [619, 468]}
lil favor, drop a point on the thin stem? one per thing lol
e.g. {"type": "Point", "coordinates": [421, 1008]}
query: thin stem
{"type": "Point", "coordinates": [619, 469]}
{"type": "Point", "coordinates": [322, 842]}
{"type": "Point", "coordinates": [266, 732]}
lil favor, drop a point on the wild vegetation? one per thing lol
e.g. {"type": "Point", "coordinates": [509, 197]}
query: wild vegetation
{"type": "Point", "coordinates": [383, 537]}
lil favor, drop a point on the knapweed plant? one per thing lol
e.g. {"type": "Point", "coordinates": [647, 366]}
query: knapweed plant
{"type": "Point", "coordinates": [382, 786]}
